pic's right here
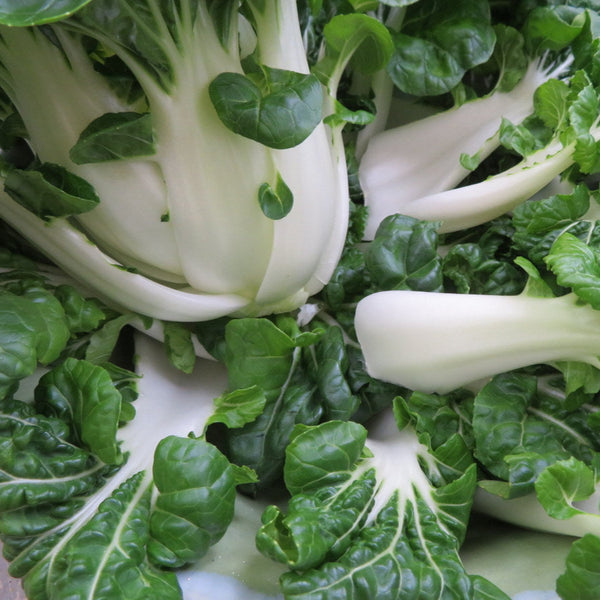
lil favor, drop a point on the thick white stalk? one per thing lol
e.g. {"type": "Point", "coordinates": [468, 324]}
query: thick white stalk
{"type": "Point", "coordinates": [422, 158]}
{"type": "Point", "coordinates": [57, 96]}
{"type": "Point", "coordinates": [437, 342]}
{"type": "Point", "coordinates": [308, 242]}
{"type": "Point", "coordinates": [85, 262]}
{"type": "Point", "coordinates": [526, 511]}
{"type": "Point", "coordinates": [471, 205]}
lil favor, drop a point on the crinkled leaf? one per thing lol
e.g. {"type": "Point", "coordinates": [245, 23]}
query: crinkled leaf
{"type": "Point", "coordinates": [403, 255]}
{"type": "Point", "coordinates": [576, 266]}
{"type": "Point", "coordinates": [519, 432]}
{"type": "Point", "coordinates": [439, 43]}
{"type": "Point", "coordinates": [472, 271]}
{"type": "Point", "coordinates": [277, 108]}
{"type": "Point", "coordinates": [539, 223]}
{"type": "Point", "coordinates": [195, 502]}
{"type": "Point", "coordinates": [40, 464]}
{"type": "Point", "coordinates": [321, 524]}
{"type": "Point", "coordinates": [83, 395]}
{"type": "Point", "coordinates": [339, 401]}
{"type": "Point", "coordinates": [261, 354]}
{"type": "Point", "coordinates": [114, 136]}
{"type": "Point", "coordinates": [33, 329]}
{"type": "Point", "coordinates": [581, 579]}
{"type": "Point", "coordinates": [365, 541]}
{"type": "Point", "coordinates": [82, 314]}
{"type": "Point", "coordinates": [104, 559]}
{"type": "Point", "coordinates": [235, 409]}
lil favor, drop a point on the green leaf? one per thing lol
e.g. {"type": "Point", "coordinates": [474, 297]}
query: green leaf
{"type": "Point", "coordinates": [519, 431]}
{"type": "Point", "coordinates": [33, 329]}
{"type": "Point", "coordinates": [238, 407]}
{"type": "Point", "coordinates": [102, 342]}
{"type": "Point", "coordinates": [40, 465]}
{"type": "Point", "coordinates": [83, 396]}
{"type": "Point", "coordinates": [114, 136]}
{"type": "Point", "coordinates": [368, 525]}
{"type": "Point", "coordinates": [510, 56]}
{"type": "Point", "coordinates": [583, 115]}
{"type": "Point", "coordinates": [50, 191]}
{"type": "Point", "coordinates": [563, 483]}
{"type": "Point", "coordinates": [552, 27]}
{"type": "Point", "coordinates": [103, 559]}
{"type": "Point", "coordinates": [179, 346]}
{"type": "Point", "coordinates": [403, 255]}
{"type": "Point", "coordinates": [195, 503]}
{"type": "Point", "coordinates": [576, 266]}
{"type": "Point", "coordinates": [356, 40]}
{"type": "Point", "coordinates": [275, 202]}
{"type": "Point", "coordinates": [439, 43]}
{"type": "Point", "coordinates": [581, 579]}
{"type": "Point", "coordinates": [471, 270]}
{"type": "Point", "coordinates": [339, 401]}
{"type": "Point", "coordinates": [343, 115]}
{"type": "Point", "coordinates": [82, 314]}
{"type": "Point", "coordinates": [323, 455]}
{"type": "Point", "coordinates": [550, 102]}
{"type": "Point", "coordinates": [320, 525]}
{"type": "Point", "coordinates": [260, 354]}
{"type": "Point", "coordinates": [23, 13]}
{"type": "Point", "coordinates": [277, 108]}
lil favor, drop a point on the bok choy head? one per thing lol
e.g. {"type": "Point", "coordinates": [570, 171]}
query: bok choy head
{"type": "Point", "coordinates": [183, 168]}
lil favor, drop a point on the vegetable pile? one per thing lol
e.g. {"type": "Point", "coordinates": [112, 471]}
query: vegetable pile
{"type": "Point", "coordinates": [337, 260]}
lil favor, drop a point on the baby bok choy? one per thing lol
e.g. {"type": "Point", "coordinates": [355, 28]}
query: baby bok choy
{"type": "Point", "coordinates": [102, 496]}
{"type": "Point", "coordinates": [182, 166]}
{"type": "Point", "coordinates": [374, 515]}
{"type": "Point", "coordinates": [437, 342]}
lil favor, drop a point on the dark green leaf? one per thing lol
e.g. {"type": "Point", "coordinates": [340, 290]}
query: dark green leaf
{"type": "Point", "coordinates": [195, 504]}
{"type": "Point", "coordinates": [50, 191]}
{"type": "Point", "coordinates": [114, 136]}
{"type": "Point", "coordinates": [581, 579]}
{"type": "Point", "coordinates": [23, 13]}
{"type": "Point", "coordinates": [39, 465]}
{"type": "Point", "coordinates": [83, 396]}
{"type": "Point", "coordinates": [238, 407]}
{"type": "Point", "coordinates": [261, 354]}
{"type": "Point", "coordinates": [105, 553]}
{"type": "Point", "coordinates": [275, 202]}
{"type": "Point", "coordinates": [403, 255]}
{"type": "Point", "coordinates": [33, 329]}
{"type": "Point", "coordinates": [439, 43]}
{"type": "Point", "coordinates": [277, 108]}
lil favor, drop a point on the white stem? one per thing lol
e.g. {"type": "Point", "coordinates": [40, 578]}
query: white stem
{"type": "Point", "coordinates": [437, 342]}
{"type": "Point", "coordinates": [84, 261]}
{"type": "Point", "coordinates": [422, 158]}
